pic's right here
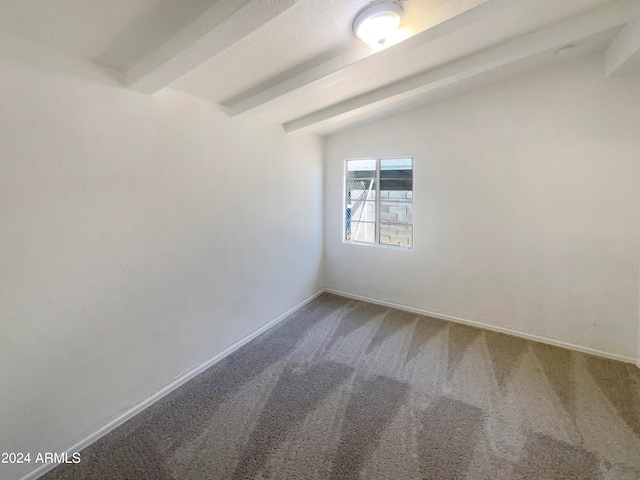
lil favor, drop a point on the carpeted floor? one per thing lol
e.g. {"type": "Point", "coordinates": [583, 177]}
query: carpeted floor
{"type": "Point", "coordinates": [345, 389]}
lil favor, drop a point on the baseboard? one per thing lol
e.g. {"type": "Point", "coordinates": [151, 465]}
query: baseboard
{"type": "Point", "coordinates": [177, 382]}
{"type": "Point", "coordinates": [486, 326]}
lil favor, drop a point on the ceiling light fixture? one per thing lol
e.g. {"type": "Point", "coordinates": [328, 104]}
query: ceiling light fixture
{"type": "Point", "coordinates": [377, 24]}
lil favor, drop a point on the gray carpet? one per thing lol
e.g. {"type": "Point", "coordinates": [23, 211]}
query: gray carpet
{"type": "Point", "coordinates": [345, 389]}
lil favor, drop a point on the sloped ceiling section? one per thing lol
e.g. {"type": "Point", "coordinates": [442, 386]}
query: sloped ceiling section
{"type": "Point", "coordinates": [297, 62]}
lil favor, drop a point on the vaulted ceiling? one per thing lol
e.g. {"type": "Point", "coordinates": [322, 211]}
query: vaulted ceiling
{"type": "Point", "coordinates": [297, 62]}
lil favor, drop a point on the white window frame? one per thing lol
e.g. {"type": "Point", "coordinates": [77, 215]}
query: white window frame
{"type": "Point", "coordinates": [377, 204]}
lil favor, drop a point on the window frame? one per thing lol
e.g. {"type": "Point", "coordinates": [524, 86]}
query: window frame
{"type": "Point", "coordinates": [343, 203]}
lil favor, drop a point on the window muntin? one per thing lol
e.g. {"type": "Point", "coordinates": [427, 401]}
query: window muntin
{"type": "Point", "coordinates": [385, 218]}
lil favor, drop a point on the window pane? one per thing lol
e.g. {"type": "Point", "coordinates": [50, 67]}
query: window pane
{"type": "Point", "coordinates": [361, 212]}
{"type": "Point", "coordinates": [393, 234]}
{"type": "Point", "coordinates": [397, 164]}
{"type": "Point", "coordinates": [361, 231]}
{"type": "Point", "coordinates": [361, 190]}
{"type": "Point", "coordinates": [395, 210]}
{"type": "Point", "coordinates": [360, 201]}
{"type": "Point", "coordinates": [361, 168]}
{"type": "Point", "coordinates": [396, 174]}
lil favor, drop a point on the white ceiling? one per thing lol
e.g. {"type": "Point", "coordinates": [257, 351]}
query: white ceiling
{"type": "Point", "coordinates": [115, 33]}
{"type": "Point", "coordinates": [297, 62]}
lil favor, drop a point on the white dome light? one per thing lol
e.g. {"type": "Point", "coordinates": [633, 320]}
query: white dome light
{"type": "Point", "coordinates": [377, 24]}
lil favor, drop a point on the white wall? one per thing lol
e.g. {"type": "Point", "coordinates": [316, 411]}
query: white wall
{"type": "Point", "coordinates": [527, 195]}
{"type": "Point", "coordinates": [139, 236]}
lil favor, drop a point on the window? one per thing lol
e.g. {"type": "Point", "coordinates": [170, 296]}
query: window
{"type": "Point", "coordinates": [385, 218]}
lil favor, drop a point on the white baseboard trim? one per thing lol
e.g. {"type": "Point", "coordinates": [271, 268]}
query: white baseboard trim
{"type": "Point", "coordinates": [177, 382]}
{"type": "Point", "coordinates": [487, 326]}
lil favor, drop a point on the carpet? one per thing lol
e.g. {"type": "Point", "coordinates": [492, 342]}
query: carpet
{"type": "Point", "coordinates": [343, 389]}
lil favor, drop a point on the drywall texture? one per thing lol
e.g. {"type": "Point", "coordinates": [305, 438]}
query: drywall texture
{"type": "Point", "coordinates": [139, 236]}
{"type": "Point", "coordinates": [527, 195]}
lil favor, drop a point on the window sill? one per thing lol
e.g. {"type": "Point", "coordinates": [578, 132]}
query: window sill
{"type": "Point", "coordinates": [379, 245]}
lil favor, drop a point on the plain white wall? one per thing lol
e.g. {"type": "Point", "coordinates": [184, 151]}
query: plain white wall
{"type": "Point", "coordinates": [139, 236]}
{"type": "Point", "coordinates": [527, 195]}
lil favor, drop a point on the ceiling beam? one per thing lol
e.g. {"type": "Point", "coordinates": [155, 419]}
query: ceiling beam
{"type": "Point", "coordinates": [549, 38]}
{"type": "Point", "coordinates": [446, 19]}
{"type": "Point", "coordinates": [223, 25]}
{"type": "Point", "coordinates": [260, 99]}
{"type": "Point", "coordinates": [624, 52]}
